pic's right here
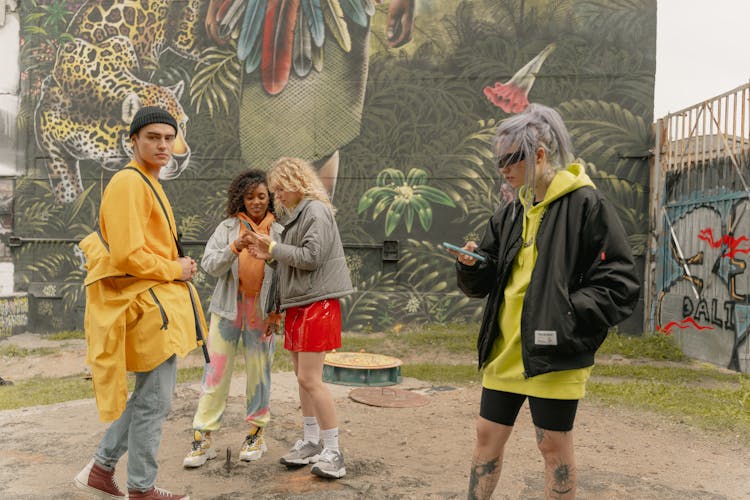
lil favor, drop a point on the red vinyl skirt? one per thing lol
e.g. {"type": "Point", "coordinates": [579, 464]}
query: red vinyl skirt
{"type": "Point", "coordinates": [315, 327]}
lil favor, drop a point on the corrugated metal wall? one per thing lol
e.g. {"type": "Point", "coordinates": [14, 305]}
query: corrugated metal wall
{"type": "Point", "coordinates": [698, 286]}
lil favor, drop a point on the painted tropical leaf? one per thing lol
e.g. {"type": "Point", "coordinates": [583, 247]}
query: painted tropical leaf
{"type": "Point", "coordinates": [429, 272]}
{"type": "Point", "coordinates": [364, 307]}
{"type": "Point", "coordinates": [390, 176]}
{"type": "Point", "coordinates": [381, 205]}
{"type": "Point", "coordinates": [424, 212]}
{"type": "Point", "coordinates": [374, 194]}
{"type": "Point", "coordinates": [393, 216]}
{"type": "Point", "coordinates": [417, 177]}
{"type": "Point", "coordinates": [434, 195]}
{"type": "Point", "coordinates": [632, 17]}
{"type": "Point", "coordinates": [408, 218]}
{"type": "Point", "coordinates": [611, 134]}
{"type": "Point", "coordinates": [630, 200]}
{"type": "Point", "coordinates": [404, 197]}
{"type": "Point", "coordinates": [473, 176]}
{"type": "Point", "coordinates": [216, 79]}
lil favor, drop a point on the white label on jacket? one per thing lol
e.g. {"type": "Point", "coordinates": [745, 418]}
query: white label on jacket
{"type": "Point", "coordinates": [545, 337]}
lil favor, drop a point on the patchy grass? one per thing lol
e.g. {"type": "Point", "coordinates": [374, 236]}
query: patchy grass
{"type": "Point", "coordinates": [659, 380]}
{"type": "Point", "coordinates": [45, 391]}
{"type": "Point", "coordinates": [651, 346]}
{"type": "Point", "coordinates": [66, 335]}
{"type": "Point", "coordinates": [13, 351]}
{"type": "Point", "coordinates": [282, 360]}
{"type": "Point", "coordinates": [717, 409]}
{"type": "Point", "coordinates": [446, 341]}
{"type": "Point", "coordinates": [671, 373]}
{"type": "Point", "coordinates": [439, 354]}
{"type": "Point", "coordinates": [704, 396]}
{"type": "Point", "coordinates": [442, 374]}
{"type": "Point", "coordinates": [191, 374]}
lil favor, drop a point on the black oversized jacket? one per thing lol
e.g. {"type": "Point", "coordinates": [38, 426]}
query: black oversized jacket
{"type": "Point", "coordinates": [583, 282]}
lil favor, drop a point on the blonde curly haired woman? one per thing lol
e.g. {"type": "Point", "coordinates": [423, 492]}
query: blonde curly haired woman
{"type": "Point", "coordinates": [312, 276]}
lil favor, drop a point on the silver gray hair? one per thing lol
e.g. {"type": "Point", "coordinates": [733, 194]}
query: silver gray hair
{"type": "Point", "coordinates": [538, 126]}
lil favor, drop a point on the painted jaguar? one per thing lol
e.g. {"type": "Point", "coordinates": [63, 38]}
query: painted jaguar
{"type": "Point", "coordinates": [100, 80]}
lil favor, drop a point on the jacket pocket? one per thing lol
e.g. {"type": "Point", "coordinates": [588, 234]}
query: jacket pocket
{"type": "Point", "coordinates": [147, 313]}
{"type": "Point", "coordinates": [556, 330]}
{"type": "Point", "coordinates": [162, 312]}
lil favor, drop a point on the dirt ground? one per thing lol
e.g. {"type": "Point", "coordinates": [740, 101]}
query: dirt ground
{"type": "Point", "coordinates": [391, 453]}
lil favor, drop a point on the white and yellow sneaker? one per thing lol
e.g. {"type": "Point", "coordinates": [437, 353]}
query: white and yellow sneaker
{"type": "Point", "coordinates": [201, 451]}
{"type": "Point", "coordinates": [253, 447]}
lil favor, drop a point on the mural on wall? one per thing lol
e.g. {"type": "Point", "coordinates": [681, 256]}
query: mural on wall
{"type": "Point", "coordinates": [13, 315]}
{"type": "Point", "coordinates": [705, 297]}
{"type": "Point", "coordinates": [395, 102]}
{"type": "Point", "coordinates": [700, 285]}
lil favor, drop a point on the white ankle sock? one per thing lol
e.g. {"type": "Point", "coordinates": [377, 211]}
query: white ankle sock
{"type": "Point", "coordinates": [311, 430]}
{"type": "Point", "coordinates": [330, 438]}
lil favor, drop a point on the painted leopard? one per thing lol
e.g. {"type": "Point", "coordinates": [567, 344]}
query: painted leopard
{"type": "Point", "coordinates": [100, 79]}
{"type": "Point", "coordinates": [85, 108]}
{"type": "Point", "coordinates": [152, 26]}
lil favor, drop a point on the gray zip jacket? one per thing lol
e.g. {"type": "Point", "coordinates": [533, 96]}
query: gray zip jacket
{"type": "Point", "coordinates": [310, 259]}
{"type": "Point", "coordinates": [220, 261]}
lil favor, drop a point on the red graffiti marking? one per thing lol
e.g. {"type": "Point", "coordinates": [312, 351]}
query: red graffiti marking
{"type": "Point", "coordinates": [726, 240]}
{"type": "Point", "coordinates": [685, 323]}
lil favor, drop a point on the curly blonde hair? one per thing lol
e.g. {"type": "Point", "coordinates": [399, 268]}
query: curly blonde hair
{"type": "Point", "coordinates": [298, 175]}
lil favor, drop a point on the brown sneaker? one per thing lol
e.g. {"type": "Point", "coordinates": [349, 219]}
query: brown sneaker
{"type": "Point", "coordinates": [99, 481]}
{"type": "Point", "coordinates": [155, 494]}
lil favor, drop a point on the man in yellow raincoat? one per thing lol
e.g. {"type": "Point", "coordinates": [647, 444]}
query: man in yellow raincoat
{"type": "Point", "coordinates": [141, 311]}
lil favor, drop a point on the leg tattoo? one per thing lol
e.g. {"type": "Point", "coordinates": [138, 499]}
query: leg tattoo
{"type": "Point", "coordinates": [562, 484]}
{"type": "Point", "coordinates": [483, 479]}
{"type": "Point", "coordinates": [539, 435]}
{"type": "Point", "coordinates": [559, 464]}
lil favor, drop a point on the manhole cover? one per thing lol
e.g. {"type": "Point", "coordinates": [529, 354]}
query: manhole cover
{"type": "Point", "coordinates": [361, 360]}
{"type": "Point", "coordinates": [388, 397]}
{"type": "Point", "coordinates": [361, 368]}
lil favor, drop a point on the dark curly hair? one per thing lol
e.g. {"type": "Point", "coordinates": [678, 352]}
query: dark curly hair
{"type": "Point", "coordinates": [241, 184]}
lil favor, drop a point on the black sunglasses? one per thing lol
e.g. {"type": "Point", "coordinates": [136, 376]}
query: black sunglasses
{"type": "Point", "coordinates": [511, 159]}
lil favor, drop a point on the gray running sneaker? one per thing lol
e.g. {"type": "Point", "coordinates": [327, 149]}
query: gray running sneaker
{"type": "Point", "coordinates": [301, 453]}
{"type": "Point", "coordinates": [329, 464]}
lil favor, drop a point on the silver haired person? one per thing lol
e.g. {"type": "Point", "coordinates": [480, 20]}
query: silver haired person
{"type": "Point", "coordinates": [558, 273]}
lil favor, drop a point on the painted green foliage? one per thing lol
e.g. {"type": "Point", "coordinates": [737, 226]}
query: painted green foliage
{"type": "Point", "coordinates": [403, 197]}
{"type": "Point", "coordinates": [421, 170]}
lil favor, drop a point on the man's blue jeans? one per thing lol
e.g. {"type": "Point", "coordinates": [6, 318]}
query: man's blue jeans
{"type": "Point", "coordinates": [138, 430]}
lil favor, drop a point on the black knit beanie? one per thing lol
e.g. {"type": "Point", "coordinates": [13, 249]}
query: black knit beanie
{"type": "Point", "coordinates": [148, 115]}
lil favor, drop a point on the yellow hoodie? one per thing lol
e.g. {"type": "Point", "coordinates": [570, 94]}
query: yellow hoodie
{"type": "Point", "coordinates": [504, 372]}
{"type": "Point", "coordinates": [137, 315]}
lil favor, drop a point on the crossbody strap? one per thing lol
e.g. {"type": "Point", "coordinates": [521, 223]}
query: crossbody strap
{"type": "Point", "coordinates": [166, 214]}
{"type": "Point", "coordinates": [193, 300]}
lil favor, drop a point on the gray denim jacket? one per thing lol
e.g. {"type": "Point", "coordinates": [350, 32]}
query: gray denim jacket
{"type": "Point", "coordinates": [219, 260]}
{"type": "Point", "coordinates": [310, 259]}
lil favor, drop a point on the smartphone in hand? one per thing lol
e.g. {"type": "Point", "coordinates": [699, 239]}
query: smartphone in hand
{"type": "Point", "coordinates": [450, 246]}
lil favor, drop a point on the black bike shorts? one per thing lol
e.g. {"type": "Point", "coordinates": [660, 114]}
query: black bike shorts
{"type": "Point", "coordinates": [548, 414]}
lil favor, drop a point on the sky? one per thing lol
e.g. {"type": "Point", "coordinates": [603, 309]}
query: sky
{"type": "Point", "coordinates": [701, 51]}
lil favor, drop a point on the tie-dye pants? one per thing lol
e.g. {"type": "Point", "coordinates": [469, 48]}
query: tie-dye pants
{"type": "Point", "coordinates": [223, 344]}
